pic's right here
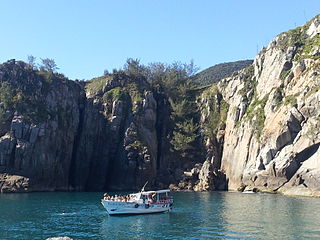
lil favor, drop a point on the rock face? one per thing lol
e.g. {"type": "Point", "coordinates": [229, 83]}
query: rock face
{"type": "Point", "coordinates": [120, 150]}
{"type": "Point", "coordinates": [258, 129]}
{"type": "Point", "coordinates": [66, 135]}
{"type": "Point", "coordinates": [269, 138]}
{"type": "Point", "coordinates": [39, 121]}
{"type": "Point", "coordinates": [272, 136]}
{"type": "Point", "coordinates": [13, 183]}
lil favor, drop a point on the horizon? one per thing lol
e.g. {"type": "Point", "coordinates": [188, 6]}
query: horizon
{"type": "Point", "coordinates": [85, 39]}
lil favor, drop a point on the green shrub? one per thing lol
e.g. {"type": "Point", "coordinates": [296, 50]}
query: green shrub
{"type": "Point", "coordinates": [248, 80]}
{"type": "Point", "coordinates": [255, 114]}
{"type": "Point", "coordinates": [115, 94]}
{"type": "Point", "coordinates": [6, 95]}
{"type": "Point", "coordinates": [218, 113]}
{"type": "Point", "coordinates": [95, 85]}
{"type": "Point", "coordinates": [299, 38]}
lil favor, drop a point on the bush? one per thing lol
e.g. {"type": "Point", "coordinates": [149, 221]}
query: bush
{"type": "Point", "coordinates": [256, 114]}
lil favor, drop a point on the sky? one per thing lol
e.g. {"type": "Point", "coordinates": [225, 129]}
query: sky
{"type": "Point", "coordinates": [86, 37]}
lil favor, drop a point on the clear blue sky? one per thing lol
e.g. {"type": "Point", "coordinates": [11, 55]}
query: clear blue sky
{"type": "Point", "coordinates": [85, 37]}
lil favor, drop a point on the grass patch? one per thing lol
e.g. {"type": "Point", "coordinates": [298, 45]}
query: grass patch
{"type": "Point", "coordinates": [299, 38]}
{"type": "Point", "coordinates": [115, 94]}
{"type": "Point", "coordinates": [95, 85]}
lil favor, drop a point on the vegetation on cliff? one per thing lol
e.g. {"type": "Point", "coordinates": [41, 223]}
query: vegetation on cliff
{"type": "Point", "coordinates": [215, 110]}
{"type": "Point", "coordinates": [118, 102]}
{"type": "Point", "coordinates": [27, 94]}
{"type": "Point", "coordinates": [299, 38]}
{"type": "Point", "coordinates": [162, 122]}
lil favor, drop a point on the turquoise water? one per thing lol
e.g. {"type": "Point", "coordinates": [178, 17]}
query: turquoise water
{"type": "Point", "coordinates": [218, 215]}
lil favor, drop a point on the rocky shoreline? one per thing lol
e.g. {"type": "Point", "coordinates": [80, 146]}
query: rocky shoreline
{"type": "Point", "coordinates": [257, 129]}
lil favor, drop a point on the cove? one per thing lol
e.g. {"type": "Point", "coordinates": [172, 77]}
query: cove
{"type": "Point", "coordinates": [207, 215]}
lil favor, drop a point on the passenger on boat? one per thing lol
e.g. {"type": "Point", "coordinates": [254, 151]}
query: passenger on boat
{"type": "Point", "coordinates": [150, 200]}
{"type": "Point", "coordinates": [105, 196]}
{"type": "Point", "coordinates": [154, 197]}
{"type": "Point", "coordinates": [116, 198]}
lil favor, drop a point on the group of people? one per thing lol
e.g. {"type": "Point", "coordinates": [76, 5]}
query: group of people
{"type": "Point", "coordinates": [151, 198]}
{"type": "Point", "coordinates": [116, 198]}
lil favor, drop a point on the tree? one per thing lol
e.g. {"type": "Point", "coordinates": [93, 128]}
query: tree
{"type": "Point", "coordinates": [6, 95]}
{"type": "Point", "coordinates": [184, 136]}
{"type": "Point", "coordinates": [106, 72]}
{"type": "Point", "coordinates": [49, 65]}
{"type": "Point", "coordinates": [134, 68]}
{"type": "Point", "coordinates": [155, 73]}
{"type": "Point", "coordinates": [32, 61]}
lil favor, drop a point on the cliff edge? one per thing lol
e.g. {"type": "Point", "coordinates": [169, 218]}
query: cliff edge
{"type": "Point", "coordinates": [272, 133]}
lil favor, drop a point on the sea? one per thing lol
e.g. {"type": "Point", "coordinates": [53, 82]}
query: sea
{"type": "Point", "coordinates": [195, 215]}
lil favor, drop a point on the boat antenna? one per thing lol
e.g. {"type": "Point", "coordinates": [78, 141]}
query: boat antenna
{"type": "Point", "coordinates": [142, 190]}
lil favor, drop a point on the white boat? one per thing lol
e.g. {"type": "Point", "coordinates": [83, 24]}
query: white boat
{"type": "Point", "coordinates": [143, 202]}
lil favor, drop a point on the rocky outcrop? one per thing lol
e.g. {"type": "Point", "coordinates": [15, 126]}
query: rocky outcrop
{"type": "Point", "coordinates": [269, 138]}
{"type": "Point", "coordinates": [13, 183]}
{"type": "Point", "coordinates": [38, 131]}
{"type": "Point", "coordinates": [273, 144]}
{"type": "Point", "coordinates": [210, 178]}
{"type": "Point", "coordinates": [121, 142]}
{"type": "Point", "coordinates": [95, 136]}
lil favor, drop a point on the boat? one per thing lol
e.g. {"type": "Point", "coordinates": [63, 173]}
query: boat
{"type": "Point", "coordinates": [143, 202]}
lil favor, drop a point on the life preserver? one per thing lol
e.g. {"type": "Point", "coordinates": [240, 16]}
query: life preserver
{"type": "Point", "coordinates": [147, 205]}
{"type": "Point", "coordinates": [136, 205]}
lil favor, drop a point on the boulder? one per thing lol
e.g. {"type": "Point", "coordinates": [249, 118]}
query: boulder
{"type": "Point", "coordinates": [210, 179]}
{"type": "Point", "coordinates": [13, 183]}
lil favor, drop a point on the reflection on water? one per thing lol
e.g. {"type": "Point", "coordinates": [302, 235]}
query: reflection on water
{"type": "Point", "coordinates": [265, 216]}
{"type": "Point", "coordinates": [218, 215]}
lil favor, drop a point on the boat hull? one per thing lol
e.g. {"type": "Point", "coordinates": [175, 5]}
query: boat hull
{"type": "Point", "coordinates": [131, 208]}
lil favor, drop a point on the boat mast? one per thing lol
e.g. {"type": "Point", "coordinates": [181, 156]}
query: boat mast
{"type": "Point", "coordinates": [142, 190]}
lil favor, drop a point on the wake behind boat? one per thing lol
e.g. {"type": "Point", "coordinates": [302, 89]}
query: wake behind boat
{"type": "Point", "coordinates": [138, 203]}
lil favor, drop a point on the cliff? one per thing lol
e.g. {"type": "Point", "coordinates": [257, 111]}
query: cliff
{"type": "Point", "coordinates": [257, 129]}
{"type": "Point", "coordinates": [271, 140]}
{"type": "Point", "coordinates": [60, 135]}
{"type": "Point", "coordinates": [260, 126]}
{"type": "Point", "coordinates": [39, 118]}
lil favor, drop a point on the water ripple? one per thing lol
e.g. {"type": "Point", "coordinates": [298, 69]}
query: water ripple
{"type": "Point", "coordinates": [218, 215]}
